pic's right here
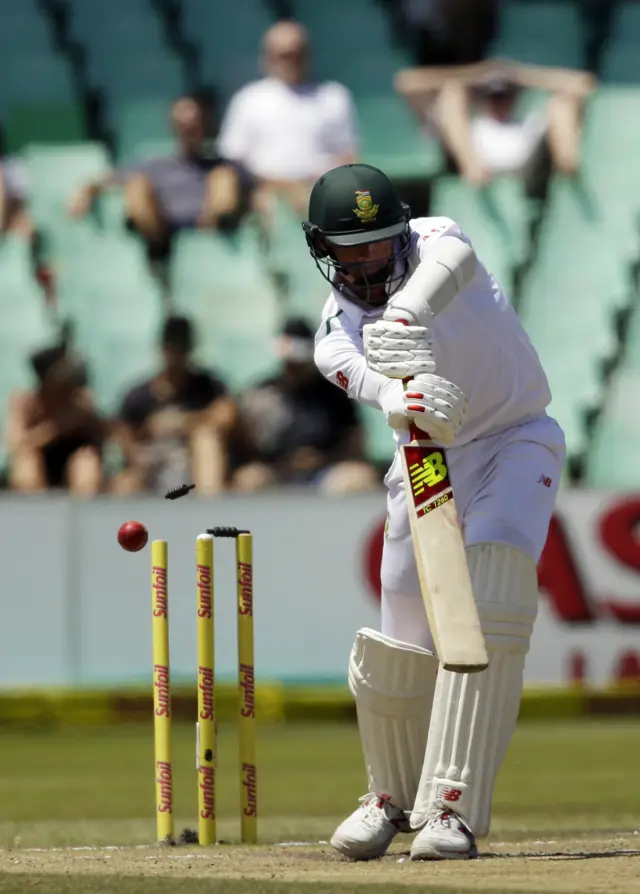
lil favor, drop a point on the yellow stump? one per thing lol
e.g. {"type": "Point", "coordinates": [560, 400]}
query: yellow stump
{"type": "Point", "coordinates": [161, 691]}
{"type": "Point", "coordinates": [246, 681]}
{"type": "Point", "coordinates": [206, 737]}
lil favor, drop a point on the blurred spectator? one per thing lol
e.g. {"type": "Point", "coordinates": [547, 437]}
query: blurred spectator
{"type": "Point", "coordinates": [174, 427]}
{"type": "Point", "coordinates": [450, 32]}
{"type": "Point", "coordinates": [14, 217]}
{"type": "Point", "coordinates": [298, 428]}
{"type": "Point", "coordinates": [196, 187]}
{"type": "Point", "coordinates": [475, 110]}
{"type": "Point", "coordinates": [287, 129]}
{"type": "Point", "coordinates": [55, 434]}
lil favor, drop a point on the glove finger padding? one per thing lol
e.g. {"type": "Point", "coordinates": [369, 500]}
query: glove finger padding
{"type": "Point", "coordinates": [398, 351]}
{"type": "Point", "coordinates": [399, 366]}
{"type": "Point", "coordinates": [436, 406]}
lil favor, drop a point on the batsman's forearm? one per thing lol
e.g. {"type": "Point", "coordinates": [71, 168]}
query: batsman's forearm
{"type": "Point", "coordinates": [348, 369]}
{"type": "Point", "coordinates": [437, 280]}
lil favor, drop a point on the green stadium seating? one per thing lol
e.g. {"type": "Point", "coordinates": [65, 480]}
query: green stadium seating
{"type": "Point", "coordinates": [612, 463]}
{"type": "Point", "coordinates": [393, 140]}
{"type": "Point", "coordinates": [454, 198]}
{"type": "Point", "coordinates": [99, 259]}
{"type": "Point", "coordinates": [106, 292]}
{"type": "Point", "coordinates": [54, 172]}
{"type": "Point", "coordinates": [568, 303]}
{"type": "Point", "coordinates": [229, 37]}
{"type": "Point", "coordinates": [610, 173]}
{"type": "Point", "coordinates": [37, 94]}
{"type": "Point", "coordinates": [34, 77]}
{"type": "Point", "coordinates": [577, 254]}
{"type": "Point", "coordinates": [139, 124]}
{"type": "Point", "coordinates": [156, 75]}
{"type": "Point", "coordinates": [379, 442]}
{"type": "Point", "coordinates": [542, 33]}
{"type": "Point", "coordinates": [133, 28]}
{"type": "Point", "coordinates": [352, 44]}
{"type": "Point", "coordinates": [221, 283]}
{"type": "Point", "coordinates": [23, 28]}
{"type": "Point", "coordinates": [289, 260]}
{"type": "Point", "coordinates": [43, 123]}
{"type": "Point", "coordinates": [26, 326]}
{"type": "Point", "coordinates": [620, 62]}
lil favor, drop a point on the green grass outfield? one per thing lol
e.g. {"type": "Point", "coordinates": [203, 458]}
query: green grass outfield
{"type": "Point", "coordinates": [566, 809]}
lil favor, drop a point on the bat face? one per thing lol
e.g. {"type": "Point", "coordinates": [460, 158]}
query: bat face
{"type": "Point", "coordinates": [441, 560]}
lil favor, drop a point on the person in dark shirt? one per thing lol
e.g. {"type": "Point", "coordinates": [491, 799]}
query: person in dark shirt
{"type": "Point", "coordinates": [55, 435]}
{"type": "Point", "coordinates": [195, 188]}
{"type": "Point", "coordinates": [175, 426]}
{"type": "Point", "coordinates": [298, 428]}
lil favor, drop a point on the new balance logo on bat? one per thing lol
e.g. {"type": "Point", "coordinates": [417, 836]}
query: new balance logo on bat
{"type": "Point", "coordinates": [426, 474]}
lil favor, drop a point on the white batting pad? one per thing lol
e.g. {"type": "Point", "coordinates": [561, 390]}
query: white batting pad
{"type": "Point", "coordinates": [393, 685]}
{"type": "Point", "coordinates": [474, 715]}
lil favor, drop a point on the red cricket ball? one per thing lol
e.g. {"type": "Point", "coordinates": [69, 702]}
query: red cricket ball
{"type": "Point", "coordinates": [133, 536]}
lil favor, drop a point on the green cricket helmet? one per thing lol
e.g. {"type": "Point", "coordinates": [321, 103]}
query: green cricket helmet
{"type": "Point", "coordinates": [356, 205]}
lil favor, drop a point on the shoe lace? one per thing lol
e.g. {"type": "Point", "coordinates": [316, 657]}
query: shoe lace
{"type": "Point", "coordinates": [441, 815]}
{"type": "Point", "coordinates": [374, 807]}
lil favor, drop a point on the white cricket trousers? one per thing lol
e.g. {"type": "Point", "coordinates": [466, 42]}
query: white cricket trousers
{"type": "Point", "coordinates": [505, 488]}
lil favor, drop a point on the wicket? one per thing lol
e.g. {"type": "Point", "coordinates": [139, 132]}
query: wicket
{"type": "Point", "coordinates": [206, 723]}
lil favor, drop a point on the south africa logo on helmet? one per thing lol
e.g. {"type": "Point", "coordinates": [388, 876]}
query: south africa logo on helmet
{"type": "Point", "coordinates": [366, 210]}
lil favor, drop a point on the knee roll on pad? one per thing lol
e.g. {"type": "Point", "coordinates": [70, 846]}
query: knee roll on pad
{"type": "Point", "coordinates": [393, 685]}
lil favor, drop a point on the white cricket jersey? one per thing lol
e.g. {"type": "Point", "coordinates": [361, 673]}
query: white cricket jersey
{"type": "Point", "coordinates": [478, 343]}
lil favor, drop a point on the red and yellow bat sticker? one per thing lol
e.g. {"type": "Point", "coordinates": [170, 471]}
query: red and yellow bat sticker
{"type": "Point", "coordinates": [429, 477]}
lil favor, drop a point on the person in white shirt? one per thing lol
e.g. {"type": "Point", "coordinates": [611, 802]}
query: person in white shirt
{"type": "Point", "coordinates": [476, 112]}
{"type": "Point", "coordinates": [287, 129]}
{"type": "Point", "coordinates": [433, 743]}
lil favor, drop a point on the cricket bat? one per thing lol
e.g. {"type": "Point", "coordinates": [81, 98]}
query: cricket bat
{"type": "Point", "coordinates": [441, 558]}
{"type": "Point", "coordinates": [438, 543]}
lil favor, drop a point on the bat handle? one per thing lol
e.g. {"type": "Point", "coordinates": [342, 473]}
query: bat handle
{"type": "Point", "coordinates": [415, 433]}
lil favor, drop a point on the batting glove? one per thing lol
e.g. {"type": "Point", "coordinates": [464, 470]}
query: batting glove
{"type": "Point", "coordinates": [436, 406]}
{"type": "Point", "coordinates": [398, 351]}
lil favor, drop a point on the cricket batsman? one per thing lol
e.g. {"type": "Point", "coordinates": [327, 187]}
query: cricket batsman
{"type": "Point", "coordinates": [433, 740]}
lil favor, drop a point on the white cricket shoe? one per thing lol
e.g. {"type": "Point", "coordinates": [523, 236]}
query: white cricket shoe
{"type": "Point", "coordinates": [445, 836]}
{"type": "Point", "coordinates": [370, 829]}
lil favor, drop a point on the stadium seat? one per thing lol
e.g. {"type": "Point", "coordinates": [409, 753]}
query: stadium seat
{"type": "Point", "coordinates": [352, 44]}
{"type": "Point", "coordinates": [379, 442]}
{"type": "Point", "coordinates": [34, 77]}
{"type": "Point", "coordinates": [23, 27]}
{"type": "Point", "coordinates": [609, 173]}
{"type": "Point", "coordinates": [542, 33]}
{"type": "Point", "coordinates": [577, 254]}
{"type": "Point", "coordinates": [134, 27]}
{"type": "Point", "coordinates": [393, 140]}
{"type": "Point", "coordinates": [139, 124]}
{"type": "Point", "coordinates": [613, 457]}
{"type": "Point", "coordinates": [140, 76]}
{"type": "Point", "coordinates": [612, 463]}
{"type": "Point", "coordinates": [43, 123]}
{"type": "Point", "coordinates": [289, 260]}
{"type": "Point", "coordinates": [106, 292]}
{"type": "Point", "coordinates": [221, 283]}
{"type": "Point", "coordinates": [26, 325]}
{"type": "Point", "coordinates": [620, 63]}
{"type": "Point", "coordinates": [454, 198]}
{"type": "Point", "coordinates": [568, 304]}
{"type": "Point", "coordinates": [229, 37]}
{"type": "Point", "coordinates": [54, 172]}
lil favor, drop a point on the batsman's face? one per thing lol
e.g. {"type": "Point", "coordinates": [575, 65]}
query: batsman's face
{"type": "Point", "coordinates": [369, 258]}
